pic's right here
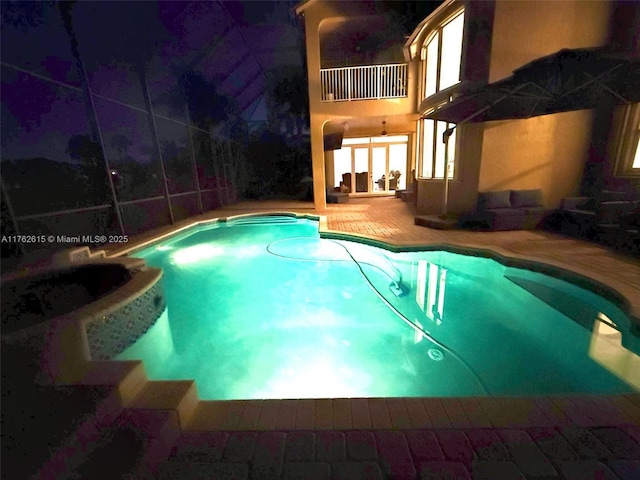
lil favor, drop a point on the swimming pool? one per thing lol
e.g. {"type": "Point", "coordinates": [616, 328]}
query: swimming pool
{"type": "Point", "coordinates": [261, 307]}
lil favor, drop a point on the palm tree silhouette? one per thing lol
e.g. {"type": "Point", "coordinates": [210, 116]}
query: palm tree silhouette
{"type": "Point", "coordinates": [121, 143]}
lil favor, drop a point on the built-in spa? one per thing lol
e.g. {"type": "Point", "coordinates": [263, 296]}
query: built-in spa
{"type": "Point", "coordinates": [55, 321]}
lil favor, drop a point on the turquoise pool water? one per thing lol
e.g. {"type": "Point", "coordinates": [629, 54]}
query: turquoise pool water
{"type": "Point", "coordinates": [262, 307]}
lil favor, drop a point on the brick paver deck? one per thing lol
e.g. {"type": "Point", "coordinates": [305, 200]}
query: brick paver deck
{"type": "Point", "coordinates": [392, 454]}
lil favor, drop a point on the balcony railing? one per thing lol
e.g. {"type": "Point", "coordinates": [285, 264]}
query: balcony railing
{"type": "Point", "coordinates": [364, 83]}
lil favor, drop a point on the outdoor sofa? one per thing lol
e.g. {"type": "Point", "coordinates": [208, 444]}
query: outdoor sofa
{"type": "Point", "coordinates": [507, 210]}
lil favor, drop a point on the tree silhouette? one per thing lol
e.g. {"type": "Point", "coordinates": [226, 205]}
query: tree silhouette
{"type": "Point", "coordinates": [121, 143]}
{"type": "Point", "coordinates": [207, 107]}
{"type": "Point", "coordinates": [289, 97]}
{"type": "Point", "coordinates": [84, 150]}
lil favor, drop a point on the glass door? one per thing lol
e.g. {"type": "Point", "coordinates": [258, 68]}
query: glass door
{"type": "Point", "coordinates": [371, 164]}
{"type": "Point", "coordinates": [397, 166]}
{"type": "Point", "coordinates": [361, 169]}
{"type": "Point", "coordinates": [380, 168]}
{"type": "Point", "coordinates": [342, 168]}
{"type": "Point", "coordinates": [390, 163]}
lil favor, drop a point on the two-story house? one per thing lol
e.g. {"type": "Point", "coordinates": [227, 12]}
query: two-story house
{"type": "Point", "coordinates": [376, 104]}
{"type": "Point", "coordinates": [362, 98]}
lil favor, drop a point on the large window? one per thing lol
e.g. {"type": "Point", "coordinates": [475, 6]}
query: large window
{"type": "Point", "coordinates": [636, 156]}
{"type": "Point", "coordinates": [442, 53]}
{"type": "Point", "coordinates": [435, 154]}
{"type": "Point", "coordinates": [629, 152]}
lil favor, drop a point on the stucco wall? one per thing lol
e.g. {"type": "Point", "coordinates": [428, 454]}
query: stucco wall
{"type": "Point", "coordinates": [542, 152]}
{"type": "Point", "coordinates": [526, 30]}
{"type": "Point", "coordinates": [550, 151]}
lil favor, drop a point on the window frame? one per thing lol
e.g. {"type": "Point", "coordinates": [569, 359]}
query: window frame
{"type": "Point", "coordinates": [437, 138]}
{"type": "Point", "coordinates": [424, 59]}
{"type": "Point", "coordinates": [628, 142]}
{"type": "Point", "coordinates": [434, 98]}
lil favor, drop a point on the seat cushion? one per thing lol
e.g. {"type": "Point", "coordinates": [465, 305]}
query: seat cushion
{"type": "Point", "coordinates": [610, 212]}
{"type": "Point", "coordinates": [534, 210]}
{"type": "Point", "coordinates": [610, 196]}
{"type": "Point", "coordinates": [506, 212]}
{"type": "Point", "coordinates": [491, 200]}
{"type": "Point", "coordinates": [526, 198]}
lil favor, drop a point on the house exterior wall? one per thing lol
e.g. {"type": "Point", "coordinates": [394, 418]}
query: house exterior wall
{"type": "Point", "coordinates": [547, 152]}
{"type": "Point", "coordinates": [526, 30]}
{"type": "Point", "coordinates": [550, 151]}
{"type": "Point", "coordinates": [318, 16]}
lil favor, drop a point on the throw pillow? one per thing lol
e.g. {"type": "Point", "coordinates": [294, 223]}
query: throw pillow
{"type": "Point", "coordinates": [489, 200]}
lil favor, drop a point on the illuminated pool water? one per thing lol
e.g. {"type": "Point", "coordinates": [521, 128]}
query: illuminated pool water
{"type": "Point", "coordinates": [262, 307]}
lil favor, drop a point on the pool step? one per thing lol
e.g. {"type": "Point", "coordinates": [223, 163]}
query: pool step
{"type": "Point", "coordinates": [180, 396]}
{"type": "Point", "coordinates": [136, 392]}
{"type": "Point", "coordinates": [129, 377]}
{"type": "Point", "coordinates": [266, 219]}
{"type": "Point", "coordinates": [156, 412]}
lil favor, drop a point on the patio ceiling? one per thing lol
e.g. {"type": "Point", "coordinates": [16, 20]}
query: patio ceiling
{"type": "Point", "coordinates": [370, 125]}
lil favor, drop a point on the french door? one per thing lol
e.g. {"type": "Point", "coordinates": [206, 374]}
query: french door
{"type": "Point", "coordinates": [372, 165]}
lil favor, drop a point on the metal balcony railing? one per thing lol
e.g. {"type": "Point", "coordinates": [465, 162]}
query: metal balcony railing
{"type": "Point", "coordinates": [364, 83]}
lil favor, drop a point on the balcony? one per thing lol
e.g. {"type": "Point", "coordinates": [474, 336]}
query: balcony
{"type": "Point", "coordinates": [369, 82]}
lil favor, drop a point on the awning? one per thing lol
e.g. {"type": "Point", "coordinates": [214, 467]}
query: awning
{"type": "Point", "coordinates": [568, 80]}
